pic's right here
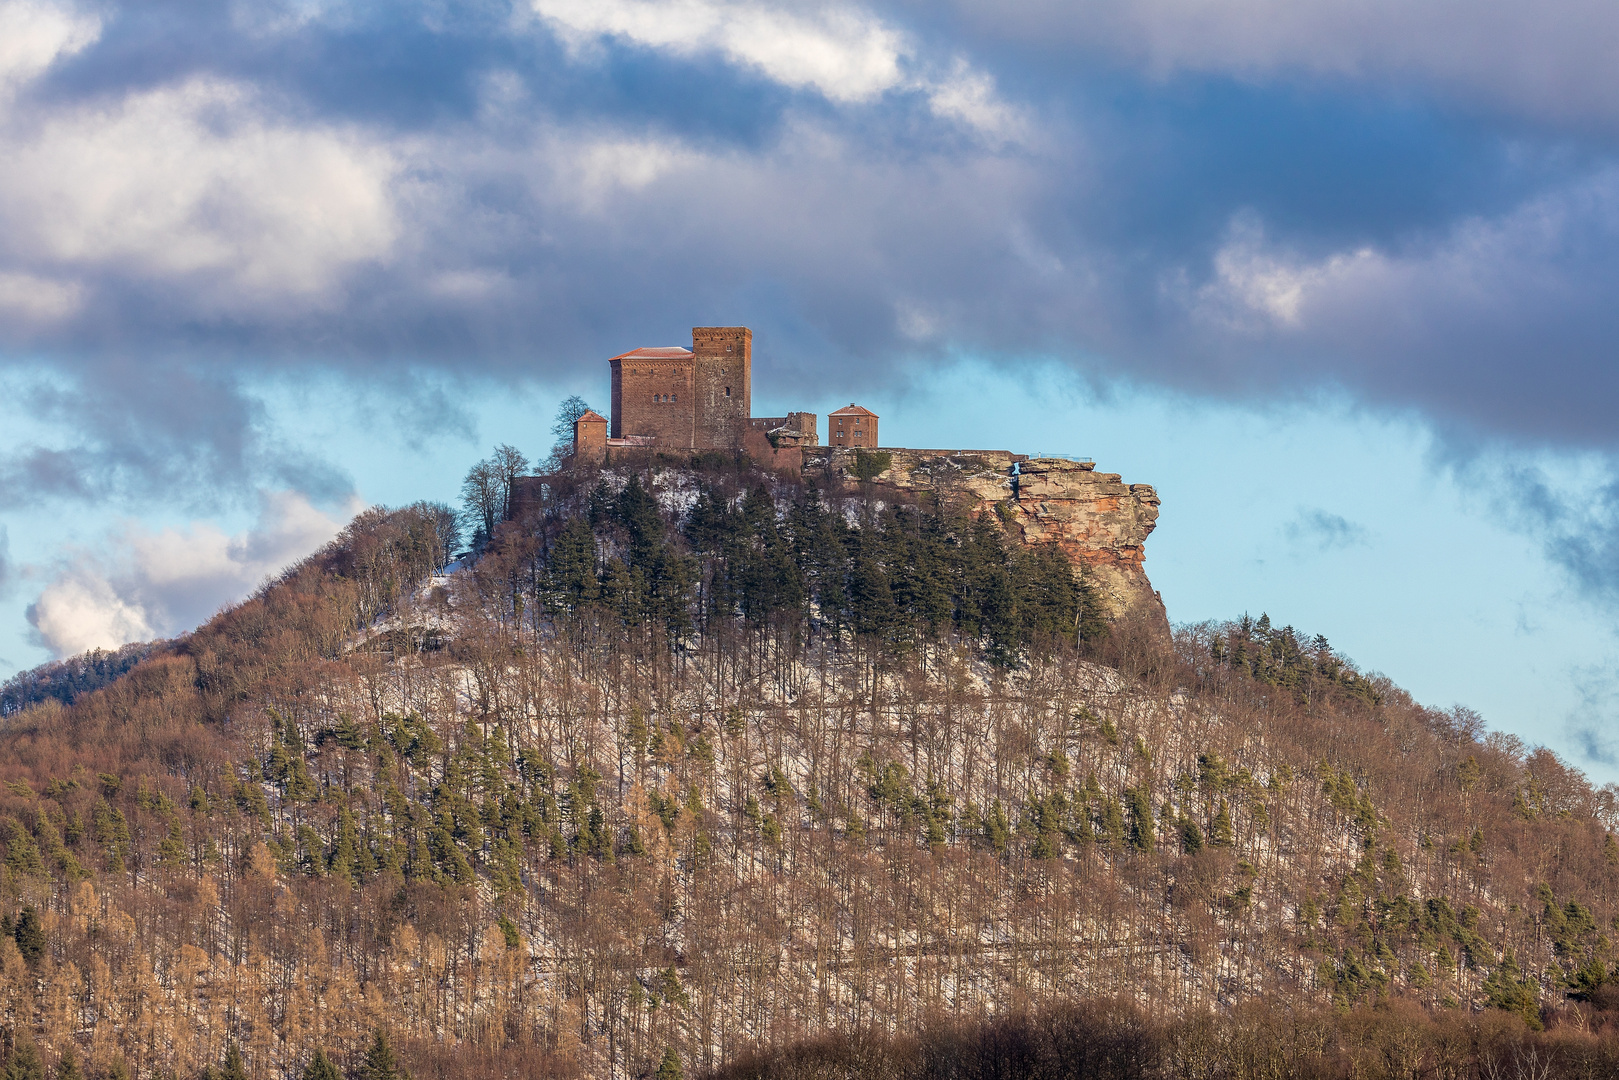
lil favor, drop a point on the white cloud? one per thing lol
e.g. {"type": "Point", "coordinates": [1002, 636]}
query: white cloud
{"type": "Point", "coordinates": [198, 181]}
{"type": "Point", "coordinates": [82, 610]}
{"type": "Point", "coordinates": [30, 298]}
{"type": "Point", "coordinates": [159, 583]}
{"type": "Point", "coordinates": [969, 96]}
{"type": "Point", "coordinates": [1256, 287]}
{"type": "Point", "coordinates": [1547, 254]}
{"type": "Point", "coordinates": [845, 54]}
{"type": "Point", "coordinates": [33, 35]}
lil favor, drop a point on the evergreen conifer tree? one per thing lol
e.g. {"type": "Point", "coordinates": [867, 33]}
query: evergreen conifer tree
{"type": "Point", "coordinates": [670, 1068]}
{"type": "Point", "coordinates": [1141, 822]}
{"type": "Point", "coordinates": [234, 1068]}
{"type": "Point", "coordinates": [1220, 831]}
{"type": "Point", "coordinates": [29, 934]}
{"type": "Point", "coordinates": [24, 1063]}
{"type": "Point", "coordinates": [67, 1066]}
{"type": "Point", "coordinates": [22, 854]}
{"type": "Point", "coordinates": [1191, 836]}
{"type": "Point", "coordinates": [320, 1067]}
{"type": "Point", "coordinates": [380, 1062]}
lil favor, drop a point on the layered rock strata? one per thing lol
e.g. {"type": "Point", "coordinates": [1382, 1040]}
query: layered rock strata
{"type": "Point", "coordinates": [1099, 522]}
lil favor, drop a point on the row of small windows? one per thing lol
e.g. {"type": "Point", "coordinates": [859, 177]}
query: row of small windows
{"type": "Point", "coordinates": [663, 397]}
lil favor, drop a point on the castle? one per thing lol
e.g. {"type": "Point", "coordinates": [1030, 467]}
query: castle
{"type": "Point", "coordinates": [674, 398]}
{"type": "Point", "coordinates": [696, 399]}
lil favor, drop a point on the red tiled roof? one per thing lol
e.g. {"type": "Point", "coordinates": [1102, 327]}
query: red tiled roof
{"type": "Point", "coordinates": [854, 410]}
{"type": "Point", "coordinates": [592, 414]}
{"type": "Point", "coordinates": [670, 352]}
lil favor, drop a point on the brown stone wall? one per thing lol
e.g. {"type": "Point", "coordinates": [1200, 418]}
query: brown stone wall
{"type": "Point", "coordinates": [656, 398]}
{"type": "Point", "coordinates": [787, 459]}
{"type": "Point", "coordinates": [723, 394]}
{"type": "Point", "coordinates": [803, 423]}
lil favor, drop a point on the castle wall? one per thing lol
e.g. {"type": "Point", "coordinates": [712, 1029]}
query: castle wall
{"type": "Point", "coordinates": [803, 424]}
{"type": "Point", "coordinates": [656, 398]}
{"type": "Point", "coordinates": [722, 387]}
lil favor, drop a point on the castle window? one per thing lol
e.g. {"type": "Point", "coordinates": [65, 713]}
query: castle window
{"type": "Point", "coordinates": [671, 397]}
{"type": "Point", "coordinates": [727, 391]}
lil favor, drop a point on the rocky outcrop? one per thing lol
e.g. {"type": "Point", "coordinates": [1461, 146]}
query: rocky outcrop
{"type": "Point", "coordinates": [1101, 523]}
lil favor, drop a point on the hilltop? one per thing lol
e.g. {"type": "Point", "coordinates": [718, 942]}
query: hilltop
{"type": "Point", "coordinates": [696, 763]}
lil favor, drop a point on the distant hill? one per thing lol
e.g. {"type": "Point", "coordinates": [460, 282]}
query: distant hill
{"type": "Point", "coordinates": [704, 769]}
{"type": "Point", "coordinates": [64, 680]}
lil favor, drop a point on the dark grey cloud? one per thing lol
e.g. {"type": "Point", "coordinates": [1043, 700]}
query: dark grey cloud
{"type": "Point", "coordinates": [1323, 531]}
{"type": "Point", "coordinates": [150, 431]}
{"type": "Point", "coordinates": [198, 194]}
{"type": "Point", "coordinates": [1548, 62]}
{"type": "Point", "coordinates": [1573, 512]}
{"type": "Point", "coordinates": [1594, 726]}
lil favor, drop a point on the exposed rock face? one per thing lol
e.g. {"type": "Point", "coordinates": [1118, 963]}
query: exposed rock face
{"type": "Point", "coordinates": [1100, 522]}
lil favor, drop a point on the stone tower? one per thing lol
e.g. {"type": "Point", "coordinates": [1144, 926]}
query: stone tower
{"type": "Point", "coordinates": [723, 385]}
{"type": "Point", "coordinates": [686, 399]}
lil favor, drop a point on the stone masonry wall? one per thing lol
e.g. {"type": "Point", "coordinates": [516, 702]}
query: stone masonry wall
{"type": "Point", "coordinates": [1101, 523]}
{"type": "Point", "coordinates": [655, 397]}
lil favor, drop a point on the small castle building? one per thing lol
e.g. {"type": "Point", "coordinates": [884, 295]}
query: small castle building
{"type": "Point", "coordinates": [852, 425]}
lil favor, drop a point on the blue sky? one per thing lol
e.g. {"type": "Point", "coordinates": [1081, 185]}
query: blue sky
{"type": "Point", "coordinates": [1337, 278]}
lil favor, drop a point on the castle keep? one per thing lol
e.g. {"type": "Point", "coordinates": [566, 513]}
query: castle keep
{"type": "Point", "coordinates": [674, 398]}
{"type": "Point", "coordinates": [687, 399]}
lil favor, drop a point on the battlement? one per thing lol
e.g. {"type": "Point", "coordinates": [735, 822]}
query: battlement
{"type": "Point", "coordinates": [722, 341]}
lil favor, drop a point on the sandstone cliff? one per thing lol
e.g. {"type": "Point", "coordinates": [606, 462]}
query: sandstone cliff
{"type": "Point", "coordinates": [1099, 522]}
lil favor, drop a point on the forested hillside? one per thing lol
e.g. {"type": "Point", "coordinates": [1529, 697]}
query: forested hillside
{"type": "Point", "coordinates": [693, 763]}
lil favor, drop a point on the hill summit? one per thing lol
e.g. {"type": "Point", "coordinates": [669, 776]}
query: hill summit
{"type": "Point", "coordinates": [698, 762]}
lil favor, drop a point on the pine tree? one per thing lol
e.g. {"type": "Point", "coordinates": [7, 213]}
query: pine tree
{"type": "Point", "coordinates": [171, 851]}
{"type": "Point", "coordinates": [380, 1062]}
{"type": "Point", "coordinates": [29, 934]}
{"type": "Point", "coordinates": [670, 1068]}
{"type": "Point", "coordinates": [233, 1069]}
{"type": "Point", "coordinates": [1220, 831]}
{"type": "Point", "coordinates": [67, 1067]}
{"type": "Point", "coordinates": [320, 1067]}
{"type": "Point", "coordinates": [1141, 822]}
{"type": "Point", "coordinates": [22, 854]}
{"type": "Point", "coordinates": [343, 864]}
{"type": "Point", "coordinates": [1191, 836]}
{"type": "Point", "coordinates": [24, 1063]}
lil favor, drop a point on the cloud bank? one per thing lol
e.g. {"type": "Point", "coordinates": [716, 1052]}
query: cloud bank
{"type": "Point", "coordinates": [148, 584]}
{"type": "Point", "coordinates": [1414, 203]}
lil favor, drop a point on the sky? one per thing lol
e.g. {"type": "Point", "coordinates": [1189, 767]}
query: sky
{"type": "Point", "coordinates": [1337, 278]}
